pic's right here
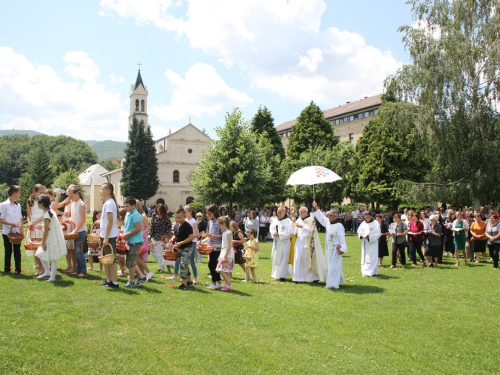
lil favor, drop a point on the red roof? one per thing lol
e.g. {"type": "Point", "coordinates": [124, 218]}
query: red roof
{"type": "Point", "coordinates": [369, 102]}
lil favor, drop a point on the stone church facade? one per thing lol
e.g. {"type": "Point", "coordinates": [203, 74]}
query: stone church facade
{"type": "Point", "coordinates": [178, 154]}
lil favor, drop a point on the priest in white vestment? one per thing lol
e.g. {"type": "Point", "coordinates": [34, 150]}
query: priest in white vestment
{"type": "Point", "coordinates": [335, 246]}
{"type": "Point", "coordinates": [309, 260]}
{"type": "Point", "coordinates": [281, 230]}
{"type": "Point", "coordinates": [369, 233]}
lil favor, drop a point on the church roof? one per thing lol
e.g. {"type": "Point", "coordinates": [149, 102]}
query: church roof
{"type": "Point", "coordinates": [138, 81]}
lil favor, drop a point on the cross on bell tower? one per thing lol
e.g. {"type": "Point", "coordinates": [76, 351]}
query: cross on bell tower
{"type": "Point", "coordinates": [138, 100]}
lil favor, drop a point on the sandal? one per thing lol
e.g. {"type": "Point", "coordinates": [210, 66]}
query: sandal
{"type": "Point", "coordinates": [82, 275]}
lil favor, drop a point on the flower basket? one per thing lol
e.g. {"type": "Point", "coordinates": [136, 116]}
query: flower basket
{"type": "Point", "coordinates": [170, 255]}
{"type": "Point", "coordinates": [15, 238]}
{"type": "Point", "coordinates": [204, 249]}
{"type": "Point", "coordinates": [107, 258]}
{"type": "Point", "coordinates": [69, 236]}
{"type": "Point", "coordinates": [121, 246]}
{"type": "Point", "coordinates": [93, 239]}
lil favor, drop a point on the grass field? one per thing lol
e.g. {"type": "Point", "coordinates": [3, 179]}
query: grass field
{"type": "Point", "coordinates": [424, 321]}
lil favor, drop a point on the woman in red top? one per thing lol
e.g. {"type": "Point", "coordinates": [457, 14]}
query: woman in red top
{"type": "Point", "coordinates": [416, 239]}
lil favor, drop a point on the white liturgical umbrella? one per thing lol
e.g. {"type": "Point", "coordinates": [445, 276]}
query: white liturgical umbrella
{"type": "Point", "coordinates": [313, 175]}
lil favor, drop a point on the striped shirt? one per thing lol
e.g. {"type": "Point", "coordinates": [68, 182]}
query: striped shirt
{"type": "Point", "coordinates": [213, 228]}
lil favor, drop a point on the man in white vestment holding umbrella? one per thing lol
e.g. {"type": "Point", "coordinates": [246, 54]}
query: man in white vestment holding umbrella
{"type": "Point", "coordinates": [335, 246]}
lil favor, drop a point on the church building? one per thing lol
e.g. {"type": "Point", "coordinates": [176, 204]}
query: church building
{"type": "Point", "coordinates": [178, 154]}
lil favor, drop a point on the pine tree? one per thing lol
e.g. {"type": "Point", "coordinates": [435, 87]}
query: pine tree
{"type": "Point", "coordinates": [263, 122]}
{"type": "Point", "coordinates": [311, 130]}
{"type": "Point", "coordinates": [140, 169]}
{"type": "Point", "coordinates": [39, 171]}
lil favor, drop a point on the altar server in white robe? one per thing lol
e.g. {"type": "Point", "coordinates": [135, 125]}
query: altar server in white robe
{"type": "Point", "coordinates": [281, 230]}
{"type": "Point", "coordinates": [309, 260]}
{"type": "Point", "coordinates": [335, 246]}
{"type": "Point", "coordinates": [369, 233]}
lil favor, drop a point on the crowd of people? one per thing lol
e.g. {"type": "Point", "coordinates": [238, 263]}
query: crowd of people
{"type": "Point", "coordinates": [297, 251]}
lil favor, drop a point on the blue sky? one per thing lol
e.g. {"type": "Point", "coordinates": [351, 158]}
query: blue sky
{"type": "Point", "coordinates": [66, 66]}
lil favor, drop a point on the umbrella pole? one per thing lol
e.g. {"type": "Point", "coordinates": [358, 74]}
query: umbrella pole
{"type": "Point", "coordinates": [314, 194]}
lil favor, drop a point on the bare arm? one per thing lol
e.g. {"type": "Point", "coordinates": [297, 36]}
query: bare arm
{"type": "Point", "coordinates": [45, 233]}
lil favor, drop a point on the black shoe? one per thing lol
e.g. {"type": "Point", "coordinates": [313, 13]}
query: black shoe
{"type": "Point", "coordinates": [182, 287]}
{"type": "Point", "coordinates": [315, 281]}
{"type": "Point", "coordinates": [17, 272]}
{"type": "Point", "coordinates": [105, 282]}
{"type": "Point", "coordinates": [282, 279]}
{"type": "Point", "coordinates": [111, 284]}
{"type": "Point", "coordinates": [190, 283]}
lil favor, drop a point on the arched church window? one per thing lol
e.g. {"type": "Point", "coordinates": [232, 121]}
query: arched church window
{"type": "Point", "coordinates": [143, 105]}
{"type": "Point", "coordinates": [176, 176]}
{"type": "Point", "coordinates": [137, 105]}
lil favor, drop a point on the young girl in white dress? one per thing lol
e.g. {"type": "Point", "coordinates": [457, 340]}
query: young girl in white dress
{"type": "Point", "coordinates": [53, 244]}
{"type": "Point", "coordinates": [225, 266]}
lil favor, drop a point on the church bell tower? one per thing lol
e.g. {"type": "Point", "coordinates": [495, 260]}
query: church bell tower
{"type": "Point", "coordinates": [138, 101]}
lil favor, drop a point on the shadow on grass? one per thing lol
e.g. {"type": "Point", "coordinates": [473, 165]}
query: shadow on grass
{"type": "Point", "coordinates": [360, 289]}
{"type": "Point", "coordinates": [63, 283]}
{"type": "Point", "coordinates": [386, 277]}
{"type": "Point", "coordinates": [240, 293]}
{"type": "Point", "coordinates": [149, 290]}
{"type": "Point", "coordinates": [21, 276]}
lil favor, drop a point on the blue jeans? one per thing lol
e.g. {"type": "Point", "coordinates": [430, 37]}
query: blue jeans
{"type": "Point", "coordinates": [192, 260]}
{"type": "Point", "coordinates": [81, 264]}
{"type": "Point", "coordinates": [355, 225]}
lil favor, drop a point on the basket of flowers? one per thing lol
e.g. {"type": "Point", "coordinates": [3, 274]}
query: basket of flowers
{"type": "Point", "coordinates": [170, 254]}
{"type": "Point", "coordinates": [121, 245]}
{"type": "Point", "coordinates": [107, 258]}
{"type": "Point", "coordinates": [93, 238]}
{"type": "Point", "coordinates": [204, 249]}
{"type": "Point", "coordinates": [69, 236]}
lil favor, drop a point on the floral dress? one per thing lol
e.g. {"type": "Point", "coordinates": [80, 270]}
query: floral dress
{"type": "Point", "coordinates": [228, 264]}
{"type": "Point", "coordinates": [238, 250]}
{"type": "Point", "coordinates": [254, 262]}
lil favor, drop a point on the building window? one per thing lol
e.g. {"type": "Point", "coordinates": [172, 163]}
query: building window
{"type": "Point", "coordinates": [367, 114]}
{"type": "Point", "coordinates": [351, 118]}
{"type": "Point", "coordinates": [341, 121]}
{"type": "Point", "coordinates": [346, 119]}
{"type": "Point", "coordinates": [190, 151]}
{"type": "Point", "coordinates": [176, 177]}
{"type": "Point", "coordinates": [337, 121]}
{"type": "Point", "coordinates": [143, 106]}
{"type": "Point", "coordinates": [375, 111]}
{"type": "Point", "coordinates": [137, 105]}
{"type": "Point", "coordinates": [332, 122]}
{"type": "Point", "coordinates": [351, 138]}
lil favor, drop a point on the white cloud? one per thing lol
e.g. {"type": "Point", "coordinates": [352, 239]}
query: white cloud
{"type": "Point", "coordinates": [201, 91]}
{"type": "Point", "coordinates": [279, 42]}
{"type": "Point", "coordinates": [36, 98]}
{"type": "Point", "coordinates": [311, 60]}
{"type": "Point", "coordinates": [114, 79]}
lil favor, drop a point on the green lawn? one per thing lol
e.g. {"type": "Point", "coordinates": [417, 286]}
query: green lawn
{"type": "Point", "coordinates": [404, 321]}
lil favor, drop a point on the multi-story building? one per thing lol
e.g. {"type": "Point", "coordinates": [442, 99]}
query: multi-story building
{"type": "Point", "coordinates": [348, 120]}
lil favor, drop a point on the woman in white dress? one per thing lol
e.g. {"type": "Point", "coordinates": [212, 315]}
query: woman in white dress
{"type": "Point", "coordinates": [53, 244]}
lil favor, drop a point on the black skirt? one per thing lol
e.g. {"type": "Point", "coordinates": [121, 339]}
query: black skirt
{"type": "Point", "coordinates": [383, 250]}
{"type": "Point", "coordinates": [479, 246]}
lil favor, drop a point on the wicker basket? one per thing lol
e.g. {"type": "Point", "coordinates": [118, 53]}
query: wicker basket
{"type": "Point", "coordinates": [32, 243]}
{"type": "Point", "coordinates": [121, 246]}
{"type": "Point", "coordinates": [170, 255]}
{"type": "Point", "coordinates": [15, 238]}
{"type": "Point", "coordinates": [107, 258]}
{"type": "Point", "coordinates": [204, 250]}
{"type": "Point", "coordinates": [69, 236]}
{"type": "Point", "coordinates": [93, 240]}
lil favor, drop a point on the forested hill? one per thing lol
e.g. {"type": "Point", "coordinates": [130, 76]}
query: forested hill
{"type": "Point", "coordinates": [104, 149]}
{"type": "Point", "coordinates": [108, 149]}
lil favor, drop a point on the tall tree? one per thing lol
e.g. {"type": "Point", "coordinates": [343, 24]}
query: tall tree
{"type": "Point", "coordinates": [388, 151]}
{"type": "Point", "coordinates": [263, 122]}
{"type": "Point", "coordinates": [311, 130]}
{"type": "Point", "coordinates": [455, 80]}
{"type": "Point", "coordinates": [140, 169]}
{"type": "Point", "coordinates": [39, 171]}
{"type": "Point", "coordinates": [233, 169]}
{"type": "Point", "coordinates": [273, 190]}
